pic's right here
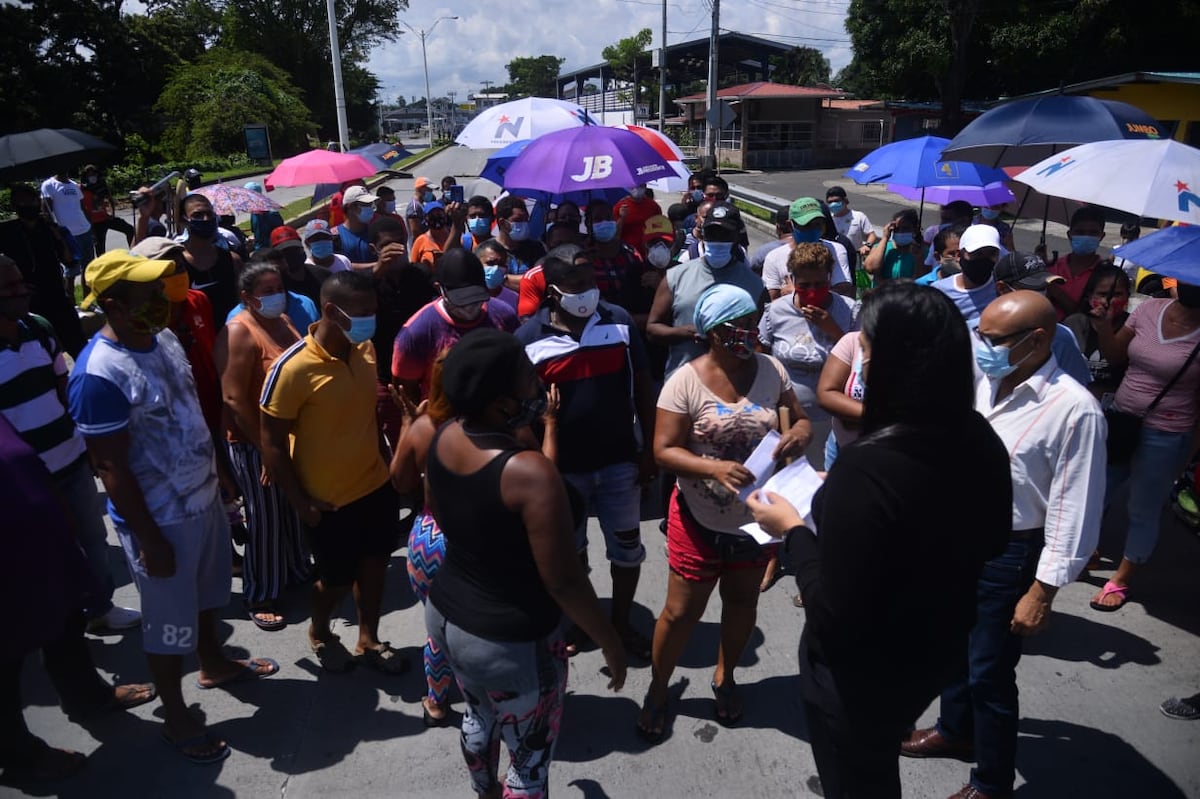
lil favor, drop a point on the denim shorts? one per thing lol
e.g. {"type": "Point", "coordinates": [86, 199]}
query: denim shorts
{"type": "Point", "coordinates": [612, 493]}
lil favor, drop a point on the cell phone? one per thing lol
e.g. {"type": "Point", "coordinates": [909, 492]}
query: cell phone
{"type": "Point", "coordinates": [456, 194]}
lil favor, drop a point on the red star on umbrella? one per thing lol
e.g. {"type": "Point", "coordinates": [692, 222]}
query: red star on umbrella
{"type": "Point", "coordinates": [1181, 186]}
{"type": "Point", "coordinates": [504, 119]}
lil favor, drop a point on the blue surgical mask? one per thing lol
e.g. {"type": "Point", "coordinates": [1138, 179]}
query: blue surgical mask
{"type": "Point", "coordinates": [698, 195]}
{"type": "Point", "coordinates": [389, 206]}
{"type": "Point", "coordinates": [362, 328]}
{"type": "Point", "coordinates": [479, 226]}
{"type": "Point", "coordinates": [836, 207]}
{"type": "Point", "coordinates": [993, 360]}
{"type": "Point", "coordinates": [1084, 245]}
{"type": "Point", "coordinates": [604, 231]}
{"type": "Point", "coordinates": [989, 213]}
{"type": "Point", "coordinates": [272, 306]}
{"type": "Point", "coordinates": [427, 196]}
{"type": "Point", "coordinates": [493, 275]}
{"type": "Point", "coordinates": [902, 239]}
{"type": "Point", "coordinates": [518, 231]}
{"type": "Point", "coordinates": [321, 249]}
{"type": "Point", "coordinates": [366, 214]}
{"type": "Point", "coordinates": [806, 235]}
{"type": "Point", "coordinates": [718, 253]}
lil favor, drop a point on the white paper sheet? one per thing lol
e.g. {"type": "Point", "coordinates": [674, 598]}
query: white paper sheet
{"type": "Point", "coordinates": [760, 463]}
{"type": "Point", "coordinates": [797, 483]}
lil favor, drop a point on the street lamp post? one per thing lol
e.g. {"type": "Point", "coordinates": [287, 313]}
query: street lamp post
{"type": "Point", "coordinates": [423, 34]}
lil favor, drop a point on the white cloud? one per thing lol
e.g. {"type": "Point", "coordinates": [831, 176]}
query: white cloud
{"type": "Point", "coordinates": [476, 47]}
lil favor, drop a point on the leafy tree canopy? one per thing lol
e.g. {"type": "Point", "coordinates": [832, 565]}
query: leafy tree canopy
{"type": "Point", "coordinates": [801, 66]}
{"type": "Point", "coordinates": [533, 76]}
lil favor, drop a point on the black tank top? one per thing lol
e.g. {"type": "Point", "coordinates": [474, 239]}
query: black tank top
{"type": "Point", "coordinates": [220, 284]}
{"type": "Point", "coordinates": [489, 584]}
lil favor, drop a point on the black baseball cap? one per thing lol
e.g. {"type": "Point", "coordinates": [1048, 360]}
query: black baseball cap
{"type": "Point", "coordinates": [1024, 271]}
{"type": "Point", "coordinates": [725, 216]}
{"type": "Point", "coordinates": [460, 274]}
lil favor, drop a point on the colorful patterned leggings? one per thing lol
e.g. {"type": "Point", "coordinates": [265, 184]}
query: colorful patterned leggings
{"type": "Point", "coordinates": [426, 551]}
{"type": "Point", "coordinates": [514, 693]}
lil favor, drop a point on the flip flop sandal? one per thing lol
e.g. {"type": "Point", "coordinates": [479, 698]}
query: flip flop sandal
{"type": "Point", "coordinates": [725, 693]}
{"type": "Point", "coordinates": [385, 660]}
{"type": "Point", "coordinates": [132, 698]}
{"type": "Point", "coordinates": [1111, 588]}
{"type": "Point", "coordinates": [1182, 709]}
{"type": "Point", "coordinates": [197, 741]}
{"type": "Point", "coordinates": [658, 718]}
{"type": "Point", "coordinates": [333, 657]}
{"type": "Point", "coordinates": [247, 673]}
{"type": "Point", "coordinates": [267, 626]}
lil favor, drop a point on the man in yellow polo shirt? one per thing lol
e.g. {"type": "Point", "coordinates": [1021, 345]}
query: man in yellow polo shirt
{"type": "Point", "coordinates": [321, 446]}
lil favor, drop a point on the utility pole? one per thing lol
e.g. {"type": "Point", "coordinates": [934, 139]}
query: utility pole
{"type": "Point", "coordinates": [662, 74]}
{"type": "Point", "coordinates": [339, 94]}
{"type": "Point", "coordinates": [423, 35]}
{"type": "Point", "coordinates": [711, 130]}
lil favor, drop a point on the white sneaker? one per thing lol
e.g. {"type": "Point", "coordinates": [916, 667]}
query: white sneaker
{"type": "Point", "coordinates": [117, 618]}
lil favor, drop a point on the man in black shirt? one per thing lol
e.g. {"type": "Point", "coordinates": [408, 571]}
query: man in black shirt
{"type": "Point", "coordinates": [298, 276]}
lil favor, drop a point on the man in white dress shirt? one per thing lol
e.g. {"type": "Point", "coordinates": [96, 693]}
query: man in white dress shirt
{"type": "Point", "coordinates": [1055, 432]}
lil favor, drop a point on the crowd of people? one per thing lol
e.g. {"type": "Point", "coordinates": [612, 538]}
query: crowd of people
{"type": "Point", "coordinates": [473, 379]}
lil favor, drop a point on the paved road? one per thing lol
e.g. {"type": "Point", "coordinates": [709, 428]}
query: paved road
{"type": "Point", "coordinates": [1090, 687]}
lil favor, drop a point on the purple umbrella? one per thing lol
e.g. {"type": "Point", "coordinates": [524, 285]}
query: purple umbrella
{"type": "Point", "coordinates": [979, 196]}
{"type": "Point", "coordinates": [585, 159]}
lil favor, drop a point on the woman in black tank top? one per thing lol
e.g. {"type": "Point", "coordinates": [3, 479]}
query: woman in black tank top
{"type": "Point", "coordinates": [511, 570]}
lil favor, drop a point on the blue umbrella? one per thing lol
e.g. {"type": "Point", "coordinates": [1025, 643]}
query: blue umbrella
{"type": "Point", "coordinates": [499, 161]}
{"type": "Point", "coordinates": [1024, 132]}
{"type": "Point", "coordinates": [1173, 251]}
{"type": "Point", "coordinates": [918, 163]}
{"type": "Point", "coordinates": [585, 159]}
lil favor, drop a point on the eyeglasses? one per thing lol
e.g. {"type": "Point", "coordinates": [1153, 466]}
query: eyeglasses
{"type": "Point", "coordinates": [997, 341]}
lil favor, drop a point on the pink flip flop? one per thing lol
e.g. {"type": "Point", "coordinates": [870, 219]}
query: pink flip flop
{"type": "Point", "coordinates": [1111, 588]}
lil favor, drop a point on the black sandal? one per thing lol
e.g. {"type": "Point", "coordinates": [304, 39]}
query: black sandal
{"type": "Point", "coordinates": [724, 694]}
{"type": "Point", "coordinates": [658, 717]}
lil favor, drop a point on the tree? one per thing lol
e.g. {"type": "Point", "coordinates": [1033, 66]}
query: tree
{"type": "Point", "coordinates": [208, 102]}
{"type": "Point", "coordinates": [530, 76]}
{"type": "Point", "coordinates": [623, 56]}
{"type": "Point", "coordinates": [801, 66]}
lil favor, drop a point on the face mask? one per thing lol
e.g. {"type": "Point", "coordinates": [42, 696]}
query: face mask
{"type": "Point", "coordinates": [993, 360]}
{"type": "Point", "coordinates": [29, 213]}
{"type": "Point", "coordinates": [989, 213]}
{"type": "Point", "coordinates": [1084, 245]}
{"type": "Point", "coordinates": [528, 410]}
{"type": "Point", "coordinates": [638, 193]}
{"type": "Point", "coordinates": [836, 207]}
{"type": "Point", "coordinates": [463, 313]}
{"type": "Point", "coordinates": [176, 287]}
{"type": "Point", "coordinates": [518, 231]}
{"type": "Point", "coordinates": [493, 276]}
{"type": "Point", "coordinates": [366, 214]}
{"type": "Point", "coordinates": [15, 307]}
{"type": "Point", "coordinates": [151, 317]}
{"type": "Point", "coordinates": [1189, 296]}
{"type": "Point", "coordinates": [718, 253]}
{"type": "Point", "coordinates": [202, 228]}
{"type": "Point", "coordinates": [604, 231]}
{"type": "Point", "coordinates": [902, 239]}
{"type": "Point", "coordinates": [977, 270]}
{"type": "Point", "coordinates": [479, 226]}
{"type": "Point", "coordinates": [697, 195]}
{"type": "Point", "coordinates": [321, 249]}
{"type": "Point", "coordinates": [389, 207]}
{"type": "Point", "coordinates": [362, 328]}
{"type": "Point", "coordinates": [1118, 304]}
{"type": "Point", "coordinates": [272, 306]}
{"type": "Point", "coordinates": [659, 255]}
{"type": "Point", "coordinates": [582, 305]}
{"type": "Point", "coordinates": [806, 235]}
{"type": "Point", "coordinates": [814, 297]}
{"type": "Point", "coordinates": [949, 265]}
{"type": "Point", "coordinates": [436, 222]}
{"type": "Point", "coordinates": [740, 342]}
{"type": "Point", "coordinates": [427, 196]}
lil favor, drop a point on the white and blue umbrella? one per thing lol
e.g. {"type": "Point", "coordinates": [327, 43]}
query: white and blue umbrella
{"type": "Point", "coordinates": [527, 118]}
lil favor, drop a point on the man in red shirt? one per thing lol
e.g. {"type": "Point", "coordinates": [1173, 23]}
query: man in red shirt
{"type": "Point", "coordinates": [1076, 267]}
{"type": "Point", "coordinates": [631, 213]}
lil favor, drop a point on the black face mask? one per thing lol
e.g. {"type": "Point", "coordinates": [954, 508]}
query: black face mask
{"type": "Point", "coordinates": [1189, 296]}
{"type": "Point", "coordinates": [977, 270]}
{"type": "Point", "coordinates": [28, 213]}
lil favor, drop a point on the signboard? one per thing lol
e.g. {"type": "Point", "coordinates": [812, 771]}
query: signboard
{"type": "Point", "coordinates": [258, 143]}
{"type": "Point", "coordinates": [721, 115]}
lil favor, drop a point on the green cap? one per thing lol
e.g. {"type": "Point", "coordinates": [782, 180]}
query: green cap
{"type": "Point", "coordinates": [805, 210]}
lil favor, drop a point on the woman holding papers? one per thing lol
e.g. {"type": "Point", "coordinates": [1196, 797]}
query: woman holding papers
{"type": "Point", "coordinates": [890, 582]}
{"type": "Point", "coordinates": [712, 414]}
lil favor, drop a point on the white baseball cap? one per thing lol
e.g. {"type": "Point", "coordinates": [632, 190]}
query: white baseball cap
{"type": "Point", "coordinates": [976, 237]}
{"type": "Point", "coordinates": [357, 194]}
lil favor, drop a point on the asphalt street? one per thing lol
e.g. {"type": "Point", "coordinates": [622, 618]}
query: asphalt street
{"type": "Point", "coordinates": [1090, 686]}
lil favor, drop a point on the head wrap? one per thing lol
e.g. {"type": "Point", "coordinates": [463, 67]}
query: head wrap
{"type": "Point", "coordinates": [720, 303]}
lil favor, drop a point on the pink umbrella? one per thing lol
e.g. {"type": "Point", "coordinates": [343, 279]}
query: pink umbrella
{"type": "Point", "coordinates": [320, 166]}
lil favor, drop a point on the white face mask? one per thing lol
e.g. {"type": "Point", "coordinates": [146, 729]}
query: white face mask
{"type": "Point", "coordinates": [659, 255]}
{"type": "Point", "coordinates": [582, 305]}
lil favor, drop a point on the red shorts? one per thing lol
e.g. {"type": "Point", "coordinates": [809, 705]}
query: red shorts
{"type": "Point", "coordinates": [696, 553]}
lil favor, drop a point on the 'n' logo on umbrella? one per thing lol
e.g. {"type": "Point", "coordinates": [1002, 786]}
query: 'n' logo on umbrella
{"type": "Point", "coordinates": [508, 126]}
{"type": "Point", "coordinates": [1061, 163]}
{"type": "Point", "coordinates": [1186, 196]}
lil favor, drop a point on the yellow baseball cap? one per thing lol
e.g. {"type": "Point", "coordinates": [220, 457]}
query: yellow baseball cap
{"type": "Point", "coordinates": [659, 227]}
{"type": "Point", "coordinates": [117, 265]}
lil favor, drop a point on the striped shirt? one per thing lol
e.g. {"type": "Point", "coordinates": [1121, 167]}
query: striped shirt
{"type": "Point", "coordinates": [30, 371]}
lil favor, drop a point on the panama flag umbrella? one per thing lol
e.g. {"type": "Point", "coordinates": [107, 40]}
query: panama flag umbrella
{"type": "Point", "coordinates": [669, 150]}
{"type": "Point", "coordinates": [527, 118]}
{"type": "Point", "coordinates": [1154, 178]}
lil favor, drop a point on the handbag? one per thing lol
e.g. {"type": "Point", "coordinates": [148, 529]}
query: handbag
{"type": "Point", "coordinates": [1125, 429]}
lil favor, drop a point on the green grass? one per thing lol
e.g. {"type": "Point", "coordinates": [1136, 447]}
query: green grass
{"type": "Point", "coordinates": [754, 211]}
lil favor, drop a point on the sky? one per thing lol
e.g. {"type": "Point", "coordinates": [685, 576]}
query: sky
{"type": "Point", "coordinates": [486, 36]}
